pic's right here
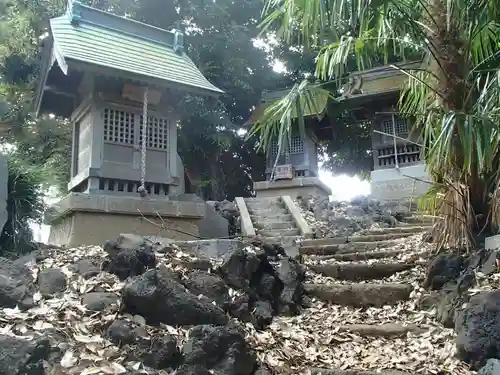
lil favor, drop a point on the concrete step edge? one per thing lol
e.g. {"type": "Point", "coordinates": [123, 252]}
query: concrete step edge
{"type": "Point", "coordinates": [360, 294]}
{"type": "Point", "coordinates": [360, 271]}
{"type": "Point", "coordinates": [381, 254]}
{"type": "Point", "coordinates": [278, 232]}
{"type": "Point", "coordinates": [351, 247]}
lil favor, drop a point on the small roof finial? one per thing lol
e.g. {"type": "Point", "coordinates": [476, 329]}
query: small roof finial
{"type": "Point", "coordinates": [178, 41]}
{"type": "Point", "coordinates": [73, 11]}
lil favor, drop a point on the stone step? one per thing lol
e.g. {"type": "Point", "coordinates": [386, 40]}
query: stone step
{"type": "Point", "coordinates": [279, 232]}
{"type": "Point", "coordinates": [407, 228]}
{"type": "Point", "coordinates": [288, 240]}
{"type": "Point", "coordinates": [268, 211]}
{"type": "Point", "coordinates": [271, 225]}
{"type": "Point", "coordinates": [272, 217]}
{"type": "Point", "coordinates": [352, 247]}
{"type": "Point", "coordinates": [345, 240]}
{"type": "Point", "coordinates": [352, 257]}
{"type": "Point", "coordinates": [359, 271]}
{"type": "Point", "coordinates": [324, 241]}
{"type": "Point", "coordinates": [262, 200]}
{"type": "Point", "coordinates": [265, 205]}
{"type": "Point", "coordinates": [325, 371]}
{"type": "Point", "coordinates": [386, 330]}
{"type": "Point", "coordinates": [360, 295]}
{"type": "Point", "coordinates": [420, 219]}
{"type": "Point", "coordinates": [378, 237]}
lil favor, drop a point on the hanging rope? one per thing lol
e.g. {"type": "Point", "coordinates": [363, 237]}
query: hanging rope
{"type": "Point", "coordinates": [394, 140]}
{"type": "Point", "coordinates": [142, 188]}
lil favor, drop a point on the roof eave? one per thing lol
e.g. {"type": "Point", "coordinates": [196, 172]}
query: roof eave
{"type": "Point", "coordinates": [251, 123]}
{"type": "Point", "coordinates": [46, 65]}
{"type": "Point", "coordinates": [83, 66]}
{"type": "Point", "coordinates": [355, 97]}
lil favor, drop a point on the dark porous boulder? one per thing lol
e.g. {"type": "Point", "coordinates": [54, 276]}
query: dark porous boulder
{"type": "Point", "coordinates": [160, 298]}
{"type": "Point", "coordinates": [492, 367]}
{"type": "Point", "coordinates": [207, 284]}
{"type": "Point", "coordinates": [192, 370]}
{"type": "Point", "coordinates": [23, 357]}
{"type": "Point", "coordinates": [262, 371]}
{"type": "Point", "coordinates": [222, 349]}
{"type": "Point", "coordinates": [240, 309]}
{"type": "Point", "coordinates": [240, 268]}
{"type": "Point", "coordinates": [400, 212]}
{"type": "Point", "coordinates": [465, 281]}
{"type": "Point", "coordinates": [121, 332]}
{"type": "Point", "coordinates": [447, 303]}
{"type": "Point", "coordinates": [478, 329]}
{"type": "Point", "coordinates": [129, 256]}
{"type": "Point", "coordinates": [51, 281]}
{"type": "Point", "coordinates": [99, 301]}
{"type": "Point", "coordinates": [262, 313]}
{"type": "Point", "coordinates": [292, 275]}
{"type": "Point", "coordinates": [16, 285]}
{"type": "Point", "coordinates": [476, 259]}
{"type": "Point", "coordinates": [443, 268]}
{"type": "Point", "coordinates": [270, 249]}
{"type": "Point", "coordinates": [87, 267]}
{"type": "Point", "coordinates": [143, 371]}
{"type": "Point", "coordinates": [490, 264]}
{"type": "Point", "coordinates": [269, 287]}
{"type": "Point", "coordinates": [35, 256]}
{"type": "Point", "coordinates": [159, 351]}
{"type": "Point", "coordinates": [58, 344]}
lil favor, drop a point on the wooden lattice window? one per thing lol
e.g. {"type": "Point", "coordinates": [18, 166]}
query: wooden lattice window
{"type": "Point", "coordinates": [157, 132]}
{"type": "Point", "coordinates": [401, 126]}
{"type": "Point", "coordinates": [121, 126]}
{"type": "Point", "coordinates": [118, 126]}
{"type": "Point", "coordinates": [296, 146]}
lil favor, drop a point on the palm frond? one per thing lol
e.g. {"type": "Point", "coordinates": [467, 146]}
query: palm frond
{"type": "Point", "coordinates": [287, 114]}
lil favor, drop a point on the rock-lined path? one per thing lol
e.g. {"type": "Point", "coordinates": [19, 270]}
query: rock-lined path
{"type": "Point", "coordinates": [363, 317]}
{"type": "Point", "coordinates": [355, 306]}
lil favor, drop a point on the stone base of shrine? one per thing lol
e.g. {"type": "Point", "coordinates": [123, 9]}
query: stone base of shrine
{"type": "Point", "coordinates": [403, 184]}
{"type": "Point", "coordinates": [300, 186]}
{"type": "Point", "coordinates": [92, 219]}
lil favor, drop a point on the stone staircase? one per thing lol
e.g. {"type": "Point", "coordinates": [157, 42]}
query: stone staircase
{"type": "Point", "coordinates": [329, 257]}
{"type": "Point", "coordinates": [358, 270]}
{"type": "Point", "coordinates": [272, 218]}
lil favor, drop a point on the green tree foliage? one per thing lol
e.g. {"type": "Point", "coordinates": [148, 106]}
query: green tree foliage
{"type": "Point", "coordinates": [24, 205]}
{"type": "Point", "coordinates": [454, 99]}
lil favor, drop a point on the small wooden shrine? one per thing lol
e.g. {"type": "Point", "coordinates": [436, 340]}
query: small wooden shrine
{"type": "Point", "coordinates": [119, 82]}
{"type": "Point", "coordinates": [370, 96]}
{"type": "Point", "coordinates": [293, 169]}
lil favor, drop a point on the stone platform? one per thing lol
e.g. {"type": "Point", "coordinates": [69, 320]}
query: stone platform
{"type": "Point", "coordinates": [300, 186]}
{"type": "Point", "coordinates": [399, 185]}
{"type": "Point", "coordinates": [91, 219]}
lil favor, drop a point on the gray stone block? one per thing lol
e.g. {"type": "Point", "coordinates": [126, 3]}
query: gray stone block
{"type": "Point", "coordinates": [212, 225]}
